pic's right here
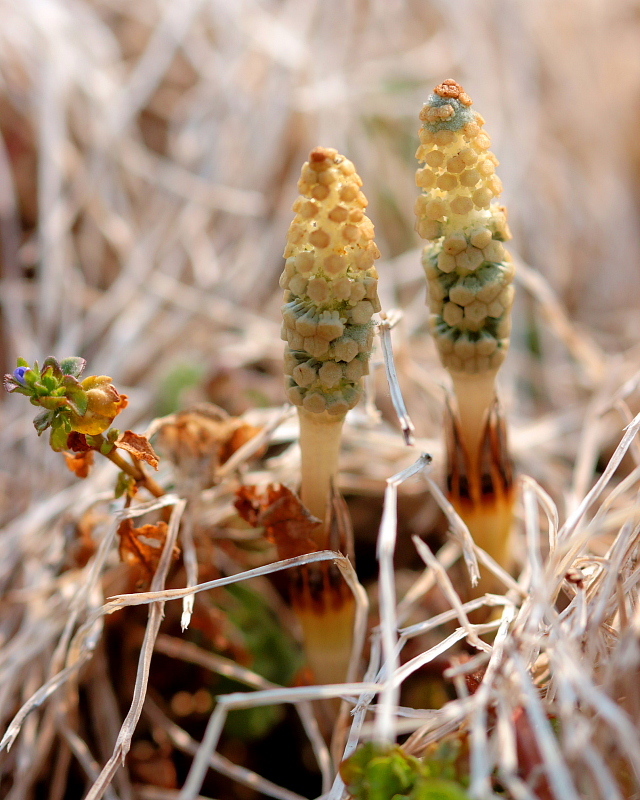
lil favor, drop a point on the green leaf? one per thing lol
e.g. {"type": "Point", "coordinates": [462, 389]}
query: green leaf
{"type": "Point", "coordinates": [387, 777]}
{"type": "Point", "coordinates": [79, 400]}
{"type": "Point", "coordinates": [31, 378]}
{"type": "Point", "coordinates": [249, 724]}
{"type": "Point", "coordinates": [51, 363]}
{"type": "Point", "coordinates": [124, 485]}
{"type": "Point", "coordinates": [42, 421]}
{"type": "Point", "coordinates": [106, 447]}
{"type": "Point", "coordinates": [436, 789]}
{"type": "Point", "coordinates": [52, 403]}
{"type": "Point", "coordinates": [175, 384]}
{"type": "Point", "coordinates": [275, 656]}
{"type": "Point", "coordinates": [69, 382]}
{"type": "Point", "coordinates": [58, 439]}
{"type": "Point", "coordinates": [383, 773]}
{"type": "Point", "coordinates": [22, 362]}
{"type": "Point", "coordinates": [73, 366]}
{"type": "Point", "coordinates": [49, 381]}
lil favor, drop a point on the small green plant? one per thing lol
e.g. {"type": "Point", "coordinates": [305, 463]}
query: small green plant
{"type": "Point", "coordinates": [78, 412]}
{"type": "Point", "coordinates": [470, 276]}
{"type": "Point", "coordinates": [374, 772]}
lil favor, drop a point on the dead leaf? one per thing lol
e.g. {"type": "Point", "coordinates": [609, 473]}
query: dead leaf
{"type": "Point", "coordinates": [199, 440]}
{"type": "Point", "coordinates": [286, 521]}
{"type": "Point", "coordinates": [139, 447]}
{"type": "Point", "coordinates": [142, 547]}
{"type": "Point", "coordinates": [238, 437]}
{"type": "Point", "coordinates": [79, 463]}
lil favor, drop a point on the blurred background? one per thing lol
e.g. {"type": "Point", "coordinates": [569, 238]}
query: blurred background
{"type": "Point", "coordinates": [149, 154]}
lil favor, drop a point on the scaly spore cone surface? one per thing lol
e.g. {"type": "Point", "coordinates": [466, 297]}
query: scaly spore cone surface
{"type": "Point", "coordinates": [330, 287]}
{"type": "Point", "coordinates": [470, 273]}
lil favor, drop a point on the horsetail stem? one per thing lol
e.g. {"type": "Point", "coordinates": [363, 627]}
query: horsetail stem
{"type": "Point", "coordinates": [330, 285]}
{"type": "Point", "coordinates": [470, 275]}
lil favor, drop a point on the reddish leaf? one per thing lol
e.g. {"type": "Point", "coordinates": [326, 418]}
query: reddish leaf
{"type": "Point", "coordinates": [139, 447]}
{"type": "Point", "coordinates": [77, 442]}
{"type": "Point", "coordinates": [286, 521]}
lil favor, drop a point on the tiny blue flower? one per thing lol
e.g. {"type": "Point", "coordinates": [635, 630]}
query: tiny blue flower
{"type": "Point", "coordinates": [18, 375]}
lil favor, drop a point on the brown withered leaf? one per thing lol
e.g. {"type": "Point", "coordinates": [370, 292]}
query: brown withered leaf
{"type": "Point", "coordinates": [287, 523]}
{"type": "Point", "coordinates": [142, 547]}
{"type": "Point", "coordinates": [79, 463]}
{"type": "Point", "coordinates": [139, 447]}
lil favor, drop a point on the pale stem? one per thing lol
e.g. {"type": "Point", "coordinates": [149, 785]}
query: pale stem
{"type": "Point", "coordinates": [475, 395]}
{"type": "Point", "coordinates": [320, 436]}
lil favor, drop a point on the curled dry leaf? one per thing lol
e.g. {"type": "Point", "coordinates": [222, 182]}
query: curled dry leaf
{"type": "Point", "coordinates": [142, 547]}
{"type": "Point", "coordinates": [139, 447]}
{"type": "Point", "coordinates": [79, 463]}
{"type": "Point", "coordinates": [286, 521]}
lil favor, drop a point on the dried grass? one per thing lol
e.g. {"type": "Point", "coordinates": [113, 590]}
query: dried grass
{"type": "Point", "coordinates": [148, 159]}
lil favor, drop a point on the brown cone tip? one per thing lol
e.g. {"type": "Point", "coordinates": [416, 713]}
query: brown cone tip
{"type": "Point", "coordinates": [452, 89]}
{"type": "Point", "coordinates": [321, 154]}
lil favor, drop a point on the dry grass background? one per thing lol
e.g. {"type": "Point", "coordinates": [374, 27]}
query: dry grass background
{"type": "Point", "coordinates": [148, 161]}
